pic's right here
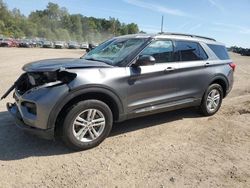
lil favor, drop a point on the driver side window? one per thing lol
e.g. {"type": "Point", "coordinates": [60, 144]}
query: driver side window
{"type": "Point", "coordinates": [161, 50]}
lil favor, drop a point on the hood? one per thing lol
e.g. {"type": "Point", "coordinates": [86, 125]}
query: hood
{"type": "Point", "coordinates": [65, 63]}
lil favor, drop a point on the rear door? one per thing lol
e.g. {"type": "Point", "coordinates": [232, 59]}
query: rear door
{"type": "Point", "coordinates": [193, 69]}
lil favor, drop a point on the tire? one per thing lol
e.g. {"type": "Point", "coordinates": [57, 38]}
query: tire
{"type": "Point", "coordinates": [210, 105]}
{"type": "Point", "coordinates": [81, 119]}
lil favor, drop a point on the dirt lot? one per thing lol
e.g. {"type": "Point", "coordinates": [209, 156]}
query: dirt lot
{"type": "Point", "coordinates": [174, 149]}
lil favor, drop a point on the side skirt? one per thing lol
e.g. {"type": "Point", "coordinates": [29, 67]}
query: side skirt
{"type": "Point", "coordinates": [175, 105]}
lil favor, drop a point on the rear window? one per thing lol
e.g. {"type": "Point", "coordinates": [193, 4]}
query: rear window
{"type": "Point", "coordinates": [220, 51]}
{"type": "Point", "coordinates": [189, 51]}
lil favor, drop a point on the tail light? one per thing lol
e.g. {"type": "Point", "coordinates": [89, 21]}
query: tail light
{"type": "Point", "coordinates": [232, 65]}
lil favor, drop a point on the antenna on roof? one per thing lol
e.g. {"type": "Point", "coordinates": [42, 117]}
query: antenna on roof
{"type": "Point", "coordinates": [162, 21]}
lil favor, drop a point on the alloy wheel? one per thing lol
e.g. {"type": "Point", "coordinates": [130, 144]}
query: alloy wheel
{"type": "Point", "coordinates": [88, 125]}
{"type": "Point", "coordinates": [213, 100]}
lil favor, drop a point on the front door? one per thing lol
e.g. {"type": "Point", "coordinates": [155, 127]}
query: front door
{"type": "Point", "coordinates": [153, 85]}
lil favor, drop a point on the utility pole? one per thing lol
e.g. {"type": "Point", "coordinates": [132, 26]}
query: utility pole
{"type": "Point", "coordinates": [162, 21]}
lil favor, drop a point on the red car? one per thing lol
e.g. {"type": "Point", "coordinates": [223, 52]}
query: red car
{"type": "Point", "coordinates": [8, 43]}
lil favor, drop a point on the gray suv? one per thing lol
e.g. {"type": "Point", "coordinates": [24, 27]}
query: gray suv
{"type": "Point", "coordinates": [123, 78]}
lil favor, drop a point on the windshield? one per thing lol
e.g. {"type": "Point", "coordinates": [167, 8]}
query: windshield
{"type": "Point", "coordinates": [115, 50]}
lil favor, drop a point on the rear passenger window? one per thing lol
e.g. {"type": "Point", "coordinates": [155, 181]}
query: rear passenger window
{"type": "Point", "coordinates": [161, 50]}
{"type": "Point", "coordinates": [220, 51]}
{"type": "Point", "coordinates": [189, 51]}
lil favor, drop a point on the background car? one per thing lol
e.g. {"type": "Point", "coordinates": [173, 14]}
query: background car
{"type": "Point", "coordinates": [48, 44]}
{"type": "Point", "coordinates": [84, 45]}
{"type": "Point", "coordinates": [1, 39]}
{"type": "Point", "coordinates": [91, 46]}
{"type": "Point", "coordinates": [34, 43]}
{"type": "Point", "coordinates": [8, 43]}
{"type": "Point", "coordinates": [245, 52]}
{"type": "Point", "coordinates": [25, 43]}
{"type": "Point", "coordinates": [73, 45]}
{"type": "Point", "coordinates": [59, 44]}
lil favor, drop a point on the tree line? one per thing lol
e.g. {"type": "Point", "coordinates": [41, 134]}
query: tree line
{"type": "Point", "coordinates": [56, 23]}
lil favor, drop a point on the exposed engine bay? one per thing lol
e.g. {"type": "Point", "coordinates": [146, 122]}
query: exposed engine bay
{"type": "Point", "coordinates": [33, 80]}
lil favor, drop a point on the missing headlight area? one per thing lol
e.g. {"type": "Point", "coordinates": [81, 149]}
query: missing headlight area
{"type": "Point", "coordinates": [46, 79]}
{"type": "Point", "coordinates": [30, 80]}
{"type": "Point", "coordinates": [40, 78]}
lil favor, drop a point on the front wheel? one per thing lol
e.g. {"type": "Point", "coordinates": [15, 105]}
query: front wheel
{"type": "Point", "coordinates": [212, 100]}
{"type": "Point", "coordinates": [87, 124]}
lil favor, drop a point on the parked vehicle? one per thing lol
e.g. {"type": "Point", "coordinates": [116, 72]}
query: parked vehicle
{"type": "Point", "coordinates": [34, 43]}
{"type": "Point", "coordinates": [123, 78]}
{"type": "Point", "coordinates": [59, 44]}
{"type": "Point", "coordinates": [245, 52]}
{"type": "Point", "coordinates": [73, 45]}
{"type": "Point", "coordinates": [25, 43]}
{"type": "Point", "coordinates": [40, 43]}
{"type": "Point", "coordinates": [84, 45]}
{"type": "Point", "coordinates": [1, 40]}
{"type": "Point", "coordinates": [48, 44]}
{"type": "Point", "coordinates": [91, 47]}
{"type": "Point", "coordinates": [8, 43]}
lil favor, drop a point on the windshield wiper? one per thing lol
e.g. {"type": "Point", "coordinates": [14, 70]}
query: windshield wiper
{"type": "Point", "coordinates": [100, 60]}
{"type": "Point", "coordinates": [91, 59]}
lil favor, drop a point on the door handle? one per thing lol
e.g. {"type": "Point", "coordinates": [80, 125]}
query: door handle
{"type": "Point", "coordinates": [169, 69]}
{"type": "Point", "coordinates": [207, 64]}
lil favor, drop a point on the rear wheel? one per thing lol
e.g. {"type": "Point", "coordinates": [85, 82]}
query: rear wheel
{"type": "Point", "coordinates": [212, 100]}
{"type": "Point", "coordinates": [87, 124]}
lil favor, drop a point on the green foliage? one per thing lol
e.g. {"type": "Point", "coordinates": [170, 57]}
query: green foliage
{"type": "Point", "coordinates": [132, 28]}
{"type": "Point", "coordinates": [55, 23]}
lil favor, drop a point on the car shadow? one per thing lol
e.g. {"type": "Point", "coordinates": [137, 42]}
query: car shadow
{"type": "Point", "coordinates": [16, 144]}
{"type": "Point", "coordinates": [153, 120]}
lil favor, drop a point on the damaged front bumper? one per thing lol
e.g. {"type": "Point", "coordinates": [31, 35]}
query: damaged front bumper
{"type": "Point", "coordinates": [36, 94]}
{"type": "Point", "coordinates": [13, 110]}
{"type": "Point", "coordinates": [32, 109]}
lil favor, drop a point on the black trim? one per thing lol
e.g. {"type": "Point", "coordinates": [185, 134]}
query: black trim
{"type": "Point", "coordinates": [43, 133]}
{"type": "Point", "coordinates": [81, 91]}
{"type": "Point", "coordinates": [183, 40]}
{"type": "Point", "coordinates": [194, 103]}
{"type": "Point", "coordinates": [174, 49]}
{"type": "Point", "coordinates": [135, 55]}
{"type": "Point", "coordinates": [224, 79]}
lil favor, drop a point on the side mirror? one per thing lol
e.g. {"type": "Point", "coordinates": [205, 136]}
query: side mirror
{"type": "Point", "coordinates": [145, 60]}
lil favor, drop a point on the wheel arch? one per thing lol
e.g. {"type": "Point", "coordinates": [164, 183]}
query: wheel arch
{"type": "Point", "coordinates": [84, 93]}
{"type": "Point", "coordinates": [222, 81]}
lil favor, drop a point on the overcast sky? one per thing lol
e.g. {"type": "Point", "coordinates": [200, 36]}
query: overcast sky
{"type": "Point", "coordinates": [228, 21]}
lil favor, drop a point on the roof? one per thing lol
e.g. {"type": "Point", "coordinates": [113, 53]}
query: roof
{"type": "Point", "coordinates": [179, 36]}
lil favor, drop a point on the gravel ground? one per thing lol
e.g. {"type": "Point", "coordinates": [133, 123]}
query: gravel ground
{"type": "Point", "coordinates": [174, 149]}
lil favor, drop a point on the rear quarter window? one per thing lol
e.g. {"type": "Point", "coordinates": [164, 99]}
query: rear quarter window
{"type": "Point", "coordinates": [220, 51]}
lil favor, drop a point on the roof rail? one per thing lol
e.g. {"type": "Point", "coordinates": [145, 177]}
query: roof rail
{"type": "Point", "coordinates": [188, 35]}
